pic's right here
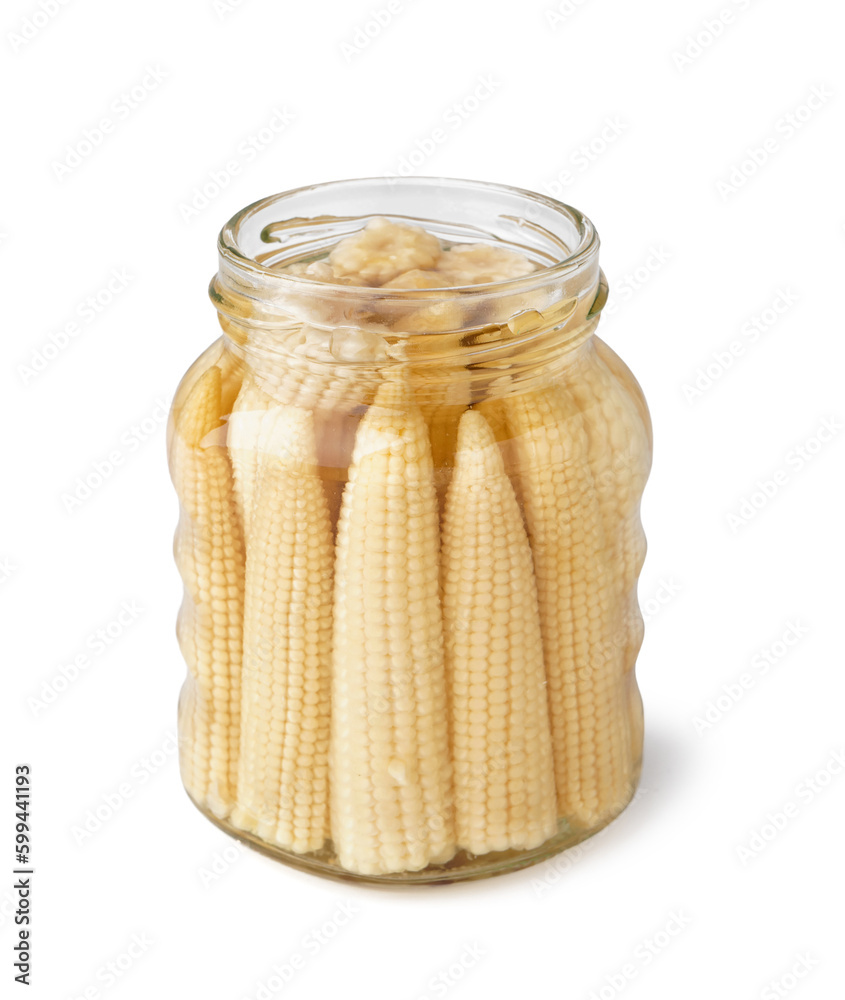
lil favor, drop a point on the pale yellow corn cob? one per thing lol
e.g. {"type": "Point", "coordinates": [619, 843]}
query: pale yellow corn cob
{"type": "Point", "coordinates": [628, 380]}
{"type": "Point", "coordinates": [293, 364]}
{"type": "Point", "coordinates": [618, 434]}
{"type": "Point", "coordinates": [283, 774]}
{"type": "Point", "coordinates": [501, 741]}
{"type": "Point", "coordinates": [335, 393]}
{"type": "Point", "coordinates": [316, 377]}
{"type": "Point", "coordinates": [210, 555]}
{"type": "Point", "coordinates": [384, 249]}
{"type": "Point", "coordinates": [303, 383]}
{"type": "Point", "coordinates": [390, 772]}
{"type": "Point", "coordinates": [437, 316]}
{"type": "Point", "coordinates": [249, 425]}
{"type": "Point", "coordinates": [587, 698]}
{"type": "Point", "coordinates": [495, 413]}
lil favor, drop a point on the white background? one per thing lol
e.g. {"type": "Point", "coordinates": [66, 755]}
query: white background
{"type": "Point", "coordinates": [699, 263]}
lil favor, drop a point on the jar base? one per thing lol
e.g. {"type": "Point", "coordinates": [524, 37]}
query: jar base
{"type": "Point", "coordinates": [463, 867]}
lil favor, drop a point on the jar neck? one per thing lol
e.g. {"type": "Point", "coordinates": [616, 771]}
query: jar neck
{"type": "Point", "coordinates": [491, 336]}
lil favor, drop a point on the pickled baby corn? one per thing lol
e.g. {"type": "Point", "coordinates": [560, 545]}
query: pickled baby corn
{"type": "Point", "coordinates": [283, 773]}
{"type": "Point", "coordinates": [390, 772]}
{"type": "Point", "coordinates": [629, 383]}
{"type": "Point", "coordinates": [209, 553]}
{"type": "Point", "coordinates": [314, 368]}
{"type": "Point", "coordinates": [618, 434]}
{"type": "Point", "coordinates": [249, 423]}
{"type": "Point", "coordinates": [501, 742]}
{"type": "Point", "coordinates": [590, 731]}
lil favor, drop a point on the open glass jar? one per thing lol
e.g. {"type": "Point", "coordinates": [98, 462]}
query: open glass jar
{"type": "Point", "coordinates": [410, 478]}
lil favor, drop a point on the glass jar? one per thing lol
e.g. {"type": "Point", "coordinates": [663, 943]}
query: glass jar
{"type": "Point", "coordinates": [409, 538]}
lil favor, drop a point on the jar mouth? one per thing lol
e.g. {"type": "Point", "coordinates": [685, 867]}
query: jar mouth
{"type": "Point", "coordinates": [303, 223]}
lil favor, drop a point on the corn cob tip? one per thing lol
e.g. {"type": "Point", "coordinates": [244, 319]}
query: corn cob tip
{"type": "Point", "coordinates": [201, 411]}
{"type": "Point", "coordinates": [476, 441]}
{"type": "Point", "coordinates": [394, 424]}
{"type": "Point", "coordinates": [393, 393]}
{"type": "Point", "coordinates": [252, 396]}
{"type": "Point", "coordinates": [290, 437]}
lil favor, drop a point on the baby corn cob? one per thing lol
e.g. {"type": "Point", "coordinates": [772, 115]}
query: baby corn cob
{"type": "Point", "coordinates": [283, 774]}
{"type": "Point", "coordinates": [627, 379]}
{"type": "Point", "coordinates": [253, 418]}
{"type": "Point", "coordinates": [249, 424]}
{"type": "Point", "coordinates": [209, 552]}
{"type": "Point", "coordinates": [619, 435]}
{"type": "Point", "coordinates": [590, 733]}
{"type": "Point", "coordinates": [299, 367]}
{"type": "Point", "coordinates": [495, 412]}
{"type": "Point", "coordinates": [501, 742]}
{"type": "Point", "coordinates": [390, 772]}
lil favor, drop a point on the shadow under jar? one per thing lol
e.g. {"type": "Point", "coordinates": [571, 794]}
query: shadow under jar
{"type": "Point", "coordinates": [410, 478]}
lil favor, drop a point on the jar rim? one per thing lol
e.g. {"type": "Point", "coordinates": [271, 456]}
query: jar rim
{"type": "Point", "coordinates": [234, 256]}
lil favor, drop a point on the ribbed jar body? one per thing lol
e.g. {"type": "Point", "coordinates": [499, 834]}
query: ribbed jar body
{"type": "Point", "coordinates": [410, 541]}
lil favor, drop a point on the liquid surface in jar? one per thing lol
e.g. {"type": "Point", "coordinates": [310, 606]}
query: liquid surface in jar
{"type": "Point", "coordinates": [387, 254]}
